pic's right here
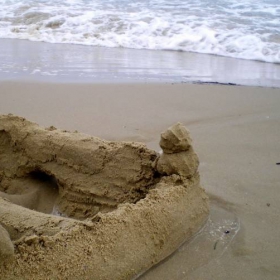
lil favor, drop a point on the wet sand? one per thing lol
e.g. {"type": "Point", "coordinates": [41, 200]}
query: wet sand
{"type": "Point", "coordinates": [236, 135]}
{"type": "Point", "coordinates": [39, 61]}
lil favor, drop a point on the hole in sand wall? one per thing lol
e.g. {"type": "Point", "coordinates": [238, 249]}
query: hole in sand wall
{"type": "Point", "coordinates": [36, 191]}
{"type": "Point", "coordinates": [47, 188]}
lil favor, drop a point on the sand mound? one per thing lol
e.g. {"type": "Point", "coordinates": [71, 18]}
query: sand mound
{"type": "Point", "coordinates": [75, 206]}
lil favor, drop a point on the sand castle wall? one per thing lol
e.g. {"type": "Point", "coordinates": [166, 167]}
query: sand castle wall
{"type": "Point", "coordinates": [92, 174]}
{"type": "Point", "coordinates": [120, 207]}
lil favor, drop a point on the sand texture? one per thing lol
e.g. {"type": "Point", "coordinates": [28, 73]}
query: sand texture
{"type": "Point", "coordinates": [74, 206]}
{"type": "Point", "coordinates": [235, 131]}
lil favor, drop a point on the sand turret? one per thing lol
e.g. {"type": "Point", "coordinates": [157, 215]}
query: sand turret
{"type": "Point", "coordinates": [178, 155]}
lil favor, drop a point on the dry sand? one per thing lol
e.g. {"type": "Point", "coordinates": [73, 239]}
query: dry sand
{"type": "Point", "coordinates": [236, 132]}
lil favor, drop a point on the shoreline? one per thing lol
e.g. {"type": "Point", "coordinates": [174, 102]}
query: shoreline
{"type": "Point", "coordinates": [64, 63]}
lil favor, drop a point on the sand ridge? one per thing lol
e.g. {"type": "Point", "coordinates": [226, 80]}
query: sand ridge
{"type": "Point", "coordinates": [123, 207]}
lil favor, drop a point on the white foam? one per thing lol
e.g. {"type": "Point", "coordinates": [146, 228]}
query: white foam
{"type": "Point", "coordinates": [248, 30]}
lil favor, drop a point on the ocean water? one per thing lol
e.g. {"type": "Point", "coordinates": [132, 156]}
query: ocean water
{"type": "Point", "coordinates": [247, 29]}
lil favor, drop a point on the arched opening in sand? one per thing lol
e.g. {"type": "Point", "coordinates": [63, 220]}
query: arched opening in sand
{"type": "Point", "coordinates": [36, 191]}
{"type": "Point", "coordinates": [46, 188]}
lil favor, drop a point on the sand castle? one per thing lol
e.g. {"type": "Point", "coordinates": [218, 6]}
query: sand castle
{"type": "Point", "coordinates": [78, 207]}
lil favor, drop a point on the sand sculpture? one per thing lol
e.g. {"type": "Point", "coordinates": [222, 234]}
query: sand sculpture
{"type": "Point", "coordinates": [75, 206]}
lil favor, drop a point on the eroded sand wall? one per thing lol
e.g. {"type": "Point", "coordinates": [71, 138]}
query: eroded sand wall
{"type": "Point", "coordinates": [136, 206]}
{"type": "Point", "coordinates": [89, 171]}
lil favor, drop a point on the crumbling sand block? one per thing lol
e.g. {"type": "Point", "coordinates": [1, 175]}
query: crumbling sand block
{"type": "Point", "coordinates": [175, 139]}
{"type": "Point", "coordinates": [75, 206]}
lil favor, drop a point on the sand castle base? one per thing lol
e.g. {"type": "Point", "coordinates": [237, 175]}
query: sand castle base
{"type": "Point", "coordinates": [75, 206]}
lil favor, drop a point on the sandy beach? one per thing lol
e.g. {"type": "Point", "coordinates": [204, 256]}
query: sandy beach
{"type": "Point", "coordinates": [139, 140]}
{"type": "Point", "coordinates": [236, 134]}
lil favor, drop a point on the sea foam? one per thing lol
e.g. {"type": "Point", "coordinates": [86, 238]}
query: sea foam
{"type": "Point", "coordinates": [248, 30]}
